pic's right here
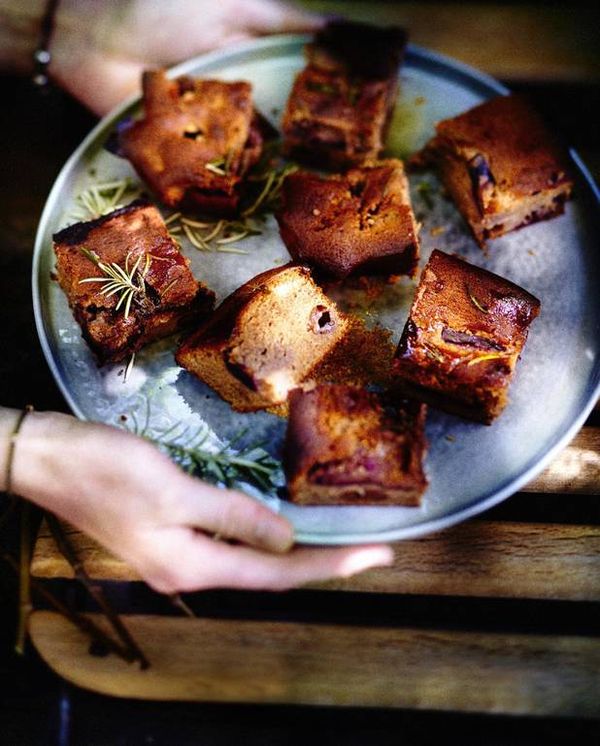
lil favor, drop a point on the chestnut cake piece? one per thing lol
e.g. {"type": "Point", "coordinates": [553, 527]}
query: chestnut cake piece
{"type": "Point", "coordinates": [164, 295]}
{"type": "Point", "coordinates": [501, 166]}
{"type": "Point", "coordinates": [347, 446]}
{"type": "Point", "coordinates": [264, 339]}
{"type": "Point", "coordinates": [463, 337]}
{"type": "Point", "coordinates": [340, 105]}
{"type": "Point", "coordinates": [353, 224]}
{"type": "Point", "coordinates": [196, 140]}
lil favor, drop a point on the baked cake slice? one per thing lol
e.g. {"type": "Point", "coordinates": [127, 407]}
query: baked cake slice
{"type": "Point", "coordinates": [465, 332]}
{"type": "Point", "coordinates": [264, 339]}
{"type": "Point", "coordinates": [340, 105]}
{"type": "Point", "coordinates": [347, 446]}
{"type": "Point", "coordinates": [157, 294]}
{"type": "Point", "coordinates": [357, 223]}
{"type": "Point", "coordinates": [501, 166]}
{"type": "Point", "coordinates": [195, 141]}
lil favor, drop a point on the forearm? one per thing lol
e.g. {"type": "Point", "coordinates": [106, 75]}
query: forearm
{"type": "Point", "coordinates": [20, 22]}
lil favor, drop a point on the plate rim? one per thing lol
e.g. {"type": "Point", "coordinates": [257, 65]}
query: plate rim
{"type": "Point", "coordinates": [489, 86]}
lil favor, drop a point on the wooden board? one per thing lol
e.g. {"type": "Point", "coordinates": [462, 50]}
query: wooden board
{"type": "Point", "coordinates": [274, 662]}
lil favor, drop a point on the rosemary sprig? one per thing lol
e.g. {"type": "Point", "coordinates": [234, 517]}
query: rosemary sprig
{"type": "Point", "coordinates": [487, 356]}
{"type": "Point", "coordinates": [251, 465]}
{"type": "Point", "coordinates": [125, 282]}
{"type": "Point", "coordinates": [219, 235]}
{"type": "Point", "coordinates": [220, 166]}
{"type": "Point", "coordinates": [100, 199]}
{"type": "Point", "coordinates": [425, 191]}
{"type": "Point", "coordinates": [434, 354]}
{"type": "Point", "coordinates": [226, 465]}
{"type": "Point", "coordinates": [477, 303]}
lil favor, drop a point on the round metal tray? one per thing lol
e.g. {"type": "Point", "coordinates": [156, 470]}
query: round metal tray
{"type": "Point", "coordinates": [470, 467]}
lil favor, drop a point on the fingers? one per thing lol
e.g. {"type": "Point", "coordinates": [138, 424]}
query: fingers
{"type": "Point", "coordinates": [241, 567]}
{"type": "Point", "coordinates": [232, 515]}
{"type": "Point", "coordinates": [272, 17]}
{"type": "Point", "coordinates": [187, 562]}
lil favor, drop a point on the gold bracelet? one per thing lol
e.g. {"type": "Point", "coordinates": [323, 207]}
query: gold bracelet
{"type": "Point", "coordinates": [12, 442]}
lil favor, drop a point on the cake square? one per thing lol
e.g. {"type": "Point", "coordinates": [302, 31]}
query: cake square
{"type": "Point", "coordinates": [501, 166]}
{"type": "Point", "coordinates": [465, 332]}
{"type": "Point", "coordinates": [340, 105]}
{"type": "Point", "coordinates": [195, 141]}
{"type": "Point", "coordinates": [357, 223]}
{"type": "Point", "coordinates": [348, 446]}
{"type": "Point", "coordinates": [264, 339]}
{"type": "Point", "coordinates": [156, 296]}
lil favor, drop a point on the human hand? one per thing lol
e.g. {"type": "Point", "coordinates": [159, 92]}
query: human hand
{"type": "Point", "coordinates": [120, 490]}
{"type": "Point", "coordinates": [99, 50]}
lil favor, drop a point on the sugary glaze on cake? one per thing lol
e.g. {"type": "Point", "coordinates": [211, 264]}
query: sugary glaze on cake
{"type": "Point", "coordinates": [264, 339]}
{"type": "Point", "coordinates": [357, 223]}
{"type": "Point", "coordinates": [501, 166]}
{"type": "Point", "coordinates": [196, 140]}
{"type": "Point", "coordinates": [340, 105]}
{"type": "Point", "coordinates": [463, 337]}
{"type": "Point", "coordinates": [167, 298]}
{"type": "Point", "coordinates": [347, 446]}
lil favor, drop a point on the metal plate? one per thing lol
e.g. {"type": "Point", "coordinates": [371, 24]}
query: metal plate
{"type": "Point", "coordinates": [470, 467]}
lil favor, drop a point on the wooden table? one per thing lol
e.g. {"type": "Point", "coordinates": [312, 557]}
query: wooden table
{"type": "Point", "coordinates": [497, 616]}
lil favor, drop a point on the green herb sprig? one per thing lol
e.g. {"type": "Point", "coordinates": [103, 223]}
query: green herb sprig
{"type": "Point", "coordinates": [220, 235]}
{"type": "Point", "coordinates": [100, 199]}
{"type": "Point", "coordinates": [226, 465]}
{"type": "Point", "coordinates": [125, 282]}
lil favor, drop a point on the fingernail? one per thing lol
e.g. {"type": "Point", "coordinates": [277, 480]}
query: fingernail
{"type": "Point", "coordinates": [362, 559]}
{"type": "Point", "coordinates": [275, 534]}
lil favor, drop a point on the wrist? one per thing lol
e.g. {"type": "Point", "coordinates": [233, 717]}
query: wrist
{"type": "Point", "coordinates": [9, 419]}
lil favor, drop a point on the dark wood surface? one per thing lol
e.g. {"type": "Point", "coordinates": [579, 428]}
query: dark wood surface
{"type": "Point", "coordinates": [37, 707]}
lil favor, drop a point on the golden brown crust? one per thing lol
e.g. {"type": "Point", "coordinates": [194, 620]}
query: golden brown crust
{"type": "Point", "coordinates": [353, 224]}
{"type": "Point", "coordinates": [501, 166]}
{"type": "Point", "coordinates": [340, 105]}
{"type": "Point", "coordinates": [264, 339]}
{"type": "Point", "coordinates": [347, 446]}
{"type": "Point", "coordinates": [169, 296]}
{"type": "Point", "coordinates": [463, 337]}
{"type": "Point", "coordinates": [196, 140]}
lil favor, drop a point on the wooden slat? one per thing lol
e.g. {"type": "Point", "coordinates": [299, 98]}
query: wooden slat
{"type": "Point", "coordinates": [533, 42]}
{"type": "Point", "coordinates": [266, 662]}
{"type": "Point", "coordinates": [478, 558]}
{"type": "Point", "coordinates": [576, 469]}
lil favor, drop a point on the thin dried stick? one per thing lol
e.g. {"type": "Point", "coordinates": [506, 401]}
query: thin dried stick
{"type": "Point", "coordinates": [180, 604]}
{"type": "Point", "coordinates": [83, 623]}
{"type": "Point", "coordinates": [70, 554]}
{"type": "Point", "coordinates": [24, 578]}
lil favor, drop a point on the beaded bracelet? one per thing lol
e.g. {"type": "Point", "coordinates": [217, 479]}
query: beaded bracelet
{"type": "Point", "coordinates": [11, 447]}
{"type": "Point", "coordinates": [42, 56]}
